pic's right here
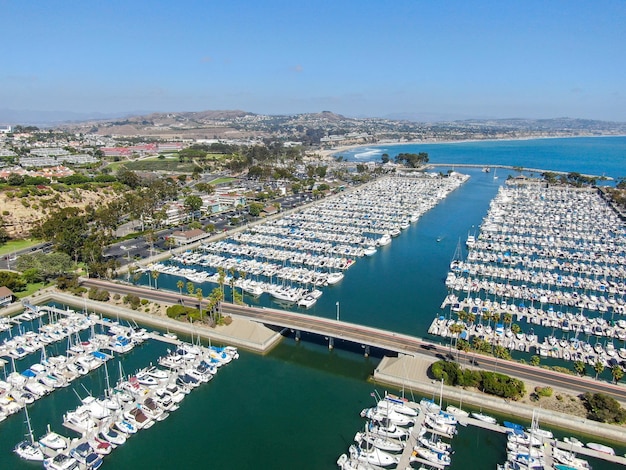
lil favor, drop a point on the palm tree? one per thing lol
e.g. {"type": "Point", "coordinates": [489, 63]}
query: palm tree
{"type": "Point", "coordinates": [507, 318]}
{"type": "Point", "coordinates": [199, 296]}
{"type": "Point", "coordinates": [231, 271]}
{"type": "Point", "coordinates": [580, 367]}
{"type": "Point", "coordinates": [221, 278]}
{"type": "Point", "coordinates": [242, 276]}
{"type": "Point", "coordinates": [155, 276]}
{"type": "Point", "coordinates": [131, 272]}
{"type": "Point", "coordinates": [617, 372]}
{"type": "Point", "coordinates": [598, 367]}
{"type": "Point", "coordinates": [180, 284]}
{"type": "Point", "coordinates": [455, 330]}
{"type": "Point", "coordinates": [190, 288]}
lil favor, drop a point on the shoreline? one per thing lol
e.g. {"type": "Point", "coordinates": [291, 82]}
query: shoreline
{"type": "Point", "coordinates": [327, 153]}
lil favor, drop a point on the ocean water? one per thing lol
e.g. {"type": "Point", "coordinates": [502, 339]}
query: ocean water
{"type": "Point", "coordinates": [298, 406]}
{"type": "Point", "coordinates": [588, 155]}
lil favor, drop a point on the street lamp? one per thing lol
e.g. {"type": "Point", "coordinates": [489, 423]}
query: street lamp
{"type": "Point", "coordinates": [337, 310]}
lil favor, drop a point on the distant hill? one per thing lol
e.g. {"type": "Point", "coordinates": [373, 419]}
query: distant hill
{"type": "Point", "coordinates": [311, 128]}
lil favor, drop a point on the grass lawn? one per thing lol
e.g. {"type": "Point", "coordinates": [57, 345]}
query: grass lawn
{"type": "Point", "coordinates": [16, 245]}
{"type": "Point", "coordinates": [31, 289]}
{"type": "Point", "coordinates": [159, 165]}
{"type": "Point", "coordinates": [222, 180]}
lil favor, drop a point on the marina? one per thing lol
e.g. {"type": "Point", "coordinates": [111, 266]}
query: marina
{"type": "Point", "coordinates": [399, 433]}
{"type": "Point", "coordinates": [303, 375]}
{"type": "Point", "coordinates": [552, 257]}
{"type": "Point", "coordinates": [104, 420]}
{"type": "Point", "coordinates": [293, 258]}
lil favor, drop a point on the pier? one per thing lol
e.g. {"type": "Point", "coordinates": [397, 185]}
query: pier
{"type": "Point", "coordinates": [510, 167]}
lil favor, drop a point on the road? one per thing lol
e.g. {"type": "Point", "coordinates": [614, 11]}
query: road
{"type": "Point", "coordinates": [383, 339]}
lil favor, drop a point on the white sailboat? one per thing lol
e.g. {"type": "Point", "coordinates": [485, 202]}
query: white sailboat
{"type": "Point", "coordinates": [28, 449]}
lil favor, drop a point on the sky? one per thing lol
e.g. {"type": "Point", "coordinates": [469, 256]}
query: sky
{"type": "Point", "coordinates": [426, 59]}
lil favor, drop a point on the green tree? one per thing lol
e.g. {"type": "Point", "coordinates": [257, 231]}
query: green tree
{"type": "Point", "coordinates": [535, 360]}
{"type": "Point", "coordinates": [190, 288]}
{"type": "Point", "coordinates": [180, 284]}
{"type": "Point", "coordinates": [617, 372]}
{"type": "Point", "coordinates": [255, 208]}
{"type": "Point", "coordinates": [199, 296]}
{"type": "Point", "coordinates": [604, 408]}
{"type": "Point", "coordinates": [598, 367]}
{"type": "Point", "coordinates": [155, 275]}
{"type": "Point", "coordinates": [580, 367]}
{"type": "Point", "coordinates": [193, 204]}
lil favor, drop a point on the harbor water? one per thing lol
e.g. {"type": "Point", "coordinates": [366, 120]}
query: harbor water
{"type": "Point", "coordinates": [298, 407]}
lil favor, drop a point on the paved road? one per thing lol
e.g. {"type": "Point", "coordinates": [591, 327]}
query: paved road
{"type": "Point", "coordinates": [387, 340]}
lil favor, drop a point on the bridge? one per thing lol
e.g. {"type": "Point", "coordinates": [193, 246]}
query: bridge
{"type": "Point", "coordinates": [375, 337]}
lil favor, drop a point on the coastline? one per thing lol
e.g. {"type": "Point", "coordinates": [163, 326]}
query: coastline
{"type": "Point", "coordinates": [328, 153]}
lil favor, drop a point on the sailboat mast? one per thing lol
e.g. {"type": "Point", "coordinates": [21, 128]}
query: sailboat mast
{"type": "Point", "coordinates": [30, 429]}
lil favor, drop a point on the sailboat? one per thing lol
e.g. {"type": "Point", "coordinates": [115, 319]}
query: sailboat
{"type": "Point", "coordinates": [495, 177]}
{"type": "Point", "coordinates": [28, 449]}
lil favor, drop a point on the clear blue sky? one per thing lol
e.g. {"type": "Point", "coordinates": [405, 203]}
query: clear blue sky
{"type": "Point", "coordinates": [440, 59]}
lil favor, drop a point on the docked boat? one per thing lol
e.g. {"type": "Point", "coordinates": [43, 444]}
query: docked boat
{"type": "Point", "coordinates": [456, 411]}
{"type": "Point", "coordinates": [60, 462]}
{"type": "Point", "coordinates": [387, 429]}
{"type": "Point", "coordinates": [438, 458]}
{"type": "Point", "coordinates": [307, 301]}
{"type": "Point", "coordinates": [85, 455]}
{"type": "Point", "coordinates": [125, 426]}
{"type": "Point", "coordinates": [100, 446]}
{"type": "Point", "coordinates": [346, 463]}
{"type": "Point", "coordinates": [137, 417]}
{"type": "Point", "coordinates": [370, 250]}
{"type": "Point", "coordinates": [396, 418]}
{"type": "Point", "coordinates": [28, 449]}
{"type": "Point", "coordinates": [112, 436]}
{"type": "Point", "coordinates": [372, 455]}
{"type": "Point", "coordinates": [569, 459]}
{"type": "Point", "coordinates": [394, 403]}
{"type": "Point", "coordinates": [380, 442]}
{"type": "Point", "coordinates": [436, 445]}
{"type": "Point", "coordinates": [53, 441]}
{"type": "Point", "coordinates": [483, 417]}
{"type": "Point", "coordinates": [601, 448]}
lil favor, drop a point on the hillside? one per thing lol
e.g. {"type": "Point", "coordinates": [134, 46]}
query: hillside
{"type": "Point", "coordinates": [21, 214]}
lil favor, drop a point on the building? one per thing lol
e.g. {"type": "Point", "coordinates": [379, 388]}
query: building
{"type": "Point", "coordinates": [190, 236]}
{"type": "Point", "coordinates": [210, 204]}
{"type": "Point", "coordinates": [6, 296]}
{"type": "Point", "coordinates": [231, 200]}
{"type": "Point", "coordinates": [5, 129]}
{"type": "Point", "coordinates": [175, 213]}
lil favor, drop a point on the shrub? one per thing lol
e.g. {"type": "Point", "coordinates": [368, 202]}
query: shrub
{"type": "Point", "coordinates": [603, 408]}
{"type": "Point", "coordinates": [98, 294]}
{"type": "Point", "coordinates": [543, 391]}
{"type": "Point", "coordinates": [133, 300]}
{"type": "Point", "coordinates": [144, 301]}
{"type": "Point", "coordinates": [490, 382]}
